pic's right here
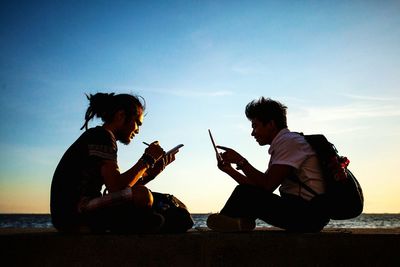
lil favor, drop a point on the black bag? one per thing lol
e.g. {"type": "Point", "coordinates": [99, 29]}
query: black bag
{"type": "Point", "coordinates": [343, 198]}
{"type": "Point", "coordinates": [176, 215]}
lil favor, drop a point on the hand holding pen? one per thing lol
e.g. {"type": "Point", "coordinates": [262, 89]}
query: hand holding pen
{"type": "Point", "coordinates": [152, 153]}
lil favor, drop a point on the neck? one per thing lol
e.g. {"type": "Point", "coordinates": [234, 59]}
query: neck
{"type": "Point", "coordinates": [275, 133]}
{"type": "Point", "coordinates": [109, 127]}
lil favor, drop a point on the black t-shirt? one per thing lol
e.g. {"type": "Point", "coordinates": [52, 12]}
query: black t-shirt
{"type": "Point", "coordinates": [79, 175]}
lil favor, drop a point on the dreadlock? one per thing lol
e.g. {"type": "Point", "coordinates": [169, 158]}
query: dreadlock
{"type": "Point", "coordinates": [105, 105]}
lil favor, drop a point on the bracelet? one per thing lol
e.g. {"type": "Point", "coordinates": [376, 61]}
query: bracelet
{"type": "Point", "coordinates": [147, 166]}
{"type": "Point", "coordinates": [148, 160]}
{"type": "Point", "coordinates": [241, 163]}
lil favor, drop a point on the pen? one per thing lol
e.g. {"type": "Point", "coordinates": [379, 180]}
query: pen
{"type": "Point", "coordinates": [147, 144]}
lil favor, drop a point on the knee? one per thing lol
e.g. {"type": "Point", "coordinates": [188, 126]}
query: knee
{"type": "Point", "coordinates": [142, 197]}
{"type": "Point", "coordinates": [246, 189]}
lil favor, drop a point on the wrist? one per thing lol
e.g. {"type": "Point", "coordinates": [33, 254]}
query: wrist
{"type": "Point", "coordinates": [148, 160]}
{"type": "Point", "coordinates": [143, 165]}
{"type": "Point", "coordinates": [241, 164]}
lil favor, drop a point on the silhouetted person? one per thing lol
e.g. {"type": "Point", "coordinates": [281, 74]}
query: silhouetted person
{"type": "Point", "coordinates": [77, 203]}
{"type": "Point", "coordinates": [253, 198]}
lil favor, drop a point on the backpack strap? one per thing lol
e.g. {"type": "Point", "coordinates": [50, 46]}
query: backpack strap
{"type": "Point", "coordinates": [296, 179]}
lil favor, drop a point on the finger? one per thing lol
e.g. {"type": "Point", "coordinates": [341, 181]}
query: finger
{"type": "Point", "coordinates": [155, 143]}
{"type": "Point", "coordinates": [174, 152]}
{"type": "Point", "coordinates": [164, 163]}
{"type": "Point", "coordinates": [224, 148]}
{"type": "Point", "coordinates": [169, 158]}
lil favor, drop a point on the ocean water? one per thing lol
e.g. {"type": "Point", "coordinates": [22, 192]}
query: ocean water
{"type": "Point", "coordinates": [362, 221]}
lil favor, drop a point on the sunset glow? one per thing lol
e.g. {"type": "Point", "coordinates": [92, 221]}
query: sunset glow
{"type": "Point", "coordinates": [336, 65]}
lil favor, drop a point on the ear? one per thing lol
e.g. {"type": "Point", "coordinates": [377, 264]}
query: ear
{"type": "Point", "coordinates": [272, 124]}
{"type": "Point", "coordinates": [119, 116]}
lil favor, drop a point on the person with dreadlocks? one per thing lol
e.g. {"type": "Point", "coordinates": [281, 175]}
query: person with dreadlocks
{"type": "Point", "coordinates": [76, 201]}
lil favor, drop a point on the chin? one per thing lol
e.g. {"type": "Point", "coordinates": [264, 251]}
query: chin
{"type": "Point", "coordinates": [125, 141]}
{"type": "Point", "coordinates": [261, 143]}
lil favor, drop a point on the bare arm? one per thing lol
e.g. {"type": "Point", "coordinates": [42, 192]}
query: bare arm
{"type": "Point", "coordinates": [270, 180]}
{"type": "Point", "coordinates": [161, 164]}
{"type": "Point", "coordinates": [115, 181]}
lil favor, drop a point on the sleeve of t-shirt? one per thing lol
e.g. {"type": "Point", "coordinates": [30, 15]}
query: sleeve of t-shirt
{"type": "Point", "coordinates": [102, 145]}
{"type": "Point", "coordinates": [289, 152]}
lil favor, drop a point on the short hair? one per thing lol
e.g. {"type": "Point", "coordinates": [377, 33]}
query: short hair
{"type": "Point", "coordinates": [265, 110]}
{"type": "Point", "coordinates": [105, 105]}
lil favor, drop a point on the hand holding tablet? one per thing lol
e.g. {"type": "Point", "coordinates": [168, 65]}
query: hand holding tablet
{"type": "Point", "coordinates": [174, 150]}
{"type": "Point", "coordinates": [215, 146]}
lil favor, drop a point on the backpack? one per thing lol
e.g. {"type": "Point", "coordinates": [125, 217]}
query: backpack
{"type": "Point", "coordinates": [176, 215]}
{"type": "Point", "coordinates": [343, 198]}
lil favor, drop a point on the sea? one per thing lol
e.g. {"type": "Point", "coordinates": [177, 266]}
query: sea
{"type": "Point", "coordinates": [363, 221]}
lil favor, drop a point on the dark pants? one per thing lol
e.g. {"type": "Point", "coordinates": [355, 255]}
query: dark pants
{"type": "Point", "coordinates": [287, 211]}
{"type": "Point", "coordinates": [125, 218]}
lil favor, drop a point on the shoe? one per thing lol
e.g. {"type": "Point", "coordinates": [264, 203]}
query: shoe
{"type": "Point", "coordinates": [222, 223]}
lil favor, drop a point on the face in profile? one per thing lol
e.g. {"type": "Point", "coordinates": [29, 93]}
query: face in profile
{"type": "Point", "coordinates": [263, 132]}
{"type": "Point", "coordinates": [130, 128]}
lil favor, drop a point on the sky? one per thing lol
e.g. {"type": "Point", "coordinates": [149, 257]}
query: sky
{"type": "Point", "coordinates": [335, 64]}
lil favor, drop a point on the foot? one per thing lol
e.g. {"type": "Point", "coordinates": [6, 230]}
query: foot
{"type": "Point", "coordinates": [222, 223]}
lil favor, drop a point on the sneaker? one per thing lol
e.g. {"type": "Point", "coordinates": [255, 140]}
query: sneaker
{"type": "Point", "coordinates": [222, 223]}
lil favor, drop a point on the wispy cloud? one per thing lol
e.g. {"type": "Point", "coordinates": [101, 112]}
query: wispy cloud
{"type": "Point", "coordinates": [354, 111]}
{"type": "Point", "coordinates": [250, 68]}
{"type": "Point", "coordinates": [191, 92]}
{"type": "Point", "coordinates": [360, 107]}
{"type": "Point", "coordinates": [372, 98]}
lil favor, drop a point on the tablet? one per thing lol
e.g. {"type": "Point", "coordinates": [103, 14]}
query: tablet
{"type": "Point", "coordinates": [215, 147]}
{"type": "Point", "coordinates": [175, 149]}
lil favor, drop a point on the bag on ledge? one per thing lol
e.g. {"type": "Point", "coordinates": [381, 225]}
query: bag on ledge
{"type": "Point", "coordinates": [177, 217]}
{"type": "Point", "coordinates": [344, 197]}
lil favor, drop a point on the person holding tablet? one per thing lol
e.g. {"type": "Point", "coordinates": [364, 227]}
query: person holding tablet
{"type": "Point", "coordinates": [254, 197]}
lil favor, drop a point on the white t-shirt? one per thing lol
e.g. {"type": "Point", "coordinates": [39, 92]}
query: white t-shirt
{"type": "Point", "coordinates": [289, 148]}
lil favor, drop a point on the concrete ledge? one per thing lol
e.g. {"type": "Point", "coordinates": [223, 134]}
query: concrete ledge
{"type": "Point", "coordinates": [263, 247]}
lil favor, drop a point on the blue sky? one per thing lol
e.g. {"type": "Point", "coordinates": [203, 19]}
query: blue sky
{"type": "Point", "coordinates": [336, 65]}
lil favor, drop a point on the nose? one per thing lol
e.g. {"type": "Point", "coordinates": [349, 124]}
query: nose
{"type": "Point", "coordinates": [252, 133]}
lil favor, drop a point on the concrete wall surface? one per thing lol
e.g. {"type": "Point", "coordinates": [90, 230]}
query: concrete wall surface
{"type": "Point", "coordinates": [264, 247]}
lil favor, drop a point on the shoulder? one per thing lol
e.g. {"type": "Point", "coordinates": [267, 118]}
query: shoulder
{"type": "Point", "coordinates": [99, 135]}
{"type": "Point", "coordinates": [99, 132]}
{"type": "Point", "coordinates": [291, 145]}
{"type": "Point", "coordinates": [101, 143]}
{"type": "Point", "coordinates": [289, 140]}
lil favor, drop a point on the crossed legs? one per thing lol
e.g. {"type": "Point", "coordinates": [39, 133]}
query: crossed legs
{"type": "Point", "coordinates": [288, 212]}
